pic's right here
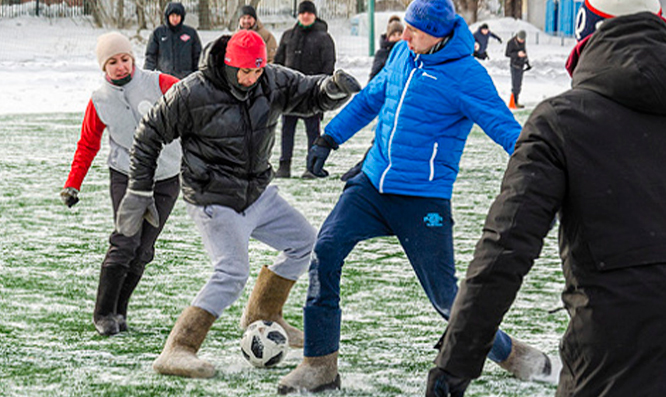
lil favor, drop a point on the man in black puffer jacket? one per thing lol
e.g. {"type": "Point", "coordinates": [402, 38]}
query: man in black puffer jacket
{"type": "Point", "coordinates": [173, 48]}
{"type": "Point", "coordinates": [308, 48]}
{"type": "Point", "coordinates": [595, 154]}
{"type": "Point", "coordinates": [225, 116]}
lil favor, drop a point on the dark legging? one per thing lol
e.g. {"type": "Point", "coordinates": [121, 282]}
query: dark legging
{"type": "Point", "coordinates": [312, 125]}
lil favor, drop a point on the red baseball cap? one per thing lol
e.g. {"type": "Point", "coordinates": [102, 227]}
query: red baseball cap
{"type": "Point", "coordinates": [246, 50]}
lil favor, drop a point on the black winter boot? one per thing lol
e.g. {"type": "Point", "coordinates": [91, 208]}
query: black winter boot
{"type": "Point", "coordinates": [130, 284]}
{"type": "Point", "coordinates": [284, 171]}
{"type": "Point", "coordinates": [111, 279]}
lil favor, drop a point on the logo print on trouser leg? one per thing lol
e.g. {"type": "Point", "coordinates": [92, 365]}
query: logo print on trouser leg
{"type": "Point", "coordinates": [433, 219]}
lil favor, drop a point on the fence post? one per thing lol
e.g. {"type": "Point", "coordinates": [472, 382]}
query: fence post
{"type": "Point", "coordinates": [37, 8]}
{"type": "Point", "coordinates": [371, 23]}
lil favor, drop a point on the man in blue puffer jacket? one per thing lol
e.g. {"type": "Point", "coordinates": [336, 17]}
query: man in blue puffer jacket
{"type": "Point", "coordinates": [427, 98]}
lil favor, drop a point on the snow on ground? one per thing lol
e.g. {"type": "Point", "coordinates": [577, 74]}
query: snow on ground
{"type": "Point", "coordinates": [48, 65]}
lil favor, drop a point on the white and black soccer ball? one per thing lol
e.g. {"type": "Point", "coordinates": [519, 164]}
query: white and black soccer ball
{"type": "Point", "coordinates": [264, 344]}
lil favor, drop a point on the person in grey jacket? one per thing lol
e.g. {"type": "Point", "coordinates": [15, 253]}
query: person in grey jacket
{"type": "Point", "coordinates": [126, 94]}
{"type": "Point", "coordinates": [225, 115]}
{"type": "Point", "coordinates": [173, 47]}
{"type": "Point", "coordinates": [595, 156]}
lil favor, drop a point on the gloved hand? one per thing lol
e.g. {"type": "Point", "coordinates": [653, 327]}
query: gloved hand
{"type": "Point", "coordinates": [134, 208]}
{"type": "Point", "coordinates": [319, 153]}
{"type": "Point", "coordinates": [443, 384]}
{"type": "Point", "coordinates": [500, 40]}
{"type": "Point", "coordinates": [69, 196]}
{"type": "Point", "coordinates": [527, 66]}
{"type": "Point", "coordinates": [341, 85]}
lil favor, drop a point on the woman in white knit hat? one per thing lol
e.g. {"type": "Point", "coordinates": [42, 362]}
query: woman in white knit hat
{"type": "Point", "coordinates": [124, 96]}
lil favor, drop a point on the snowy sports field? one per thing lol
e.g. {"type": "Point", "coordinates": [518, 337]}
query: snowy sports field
{"type": "Point", "coordinates": [50, 255]}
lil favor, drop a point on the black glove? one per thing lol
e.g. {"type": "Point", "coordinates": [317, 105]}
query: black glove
{"type": "Point", "coordinates": [69, 196]}
{"type": "Point", "coordinates": [134, 208]}
{"type": "Point", "coordinates": [341, 85]}
{"type": "Point", "coordinates": [500, 40]}
{"type": "Point", "coordinates": [527, 66]}
{"type": "Point", "coordinates": [443, 384]}
{"type": "Point", "coordinates": [319, 153]}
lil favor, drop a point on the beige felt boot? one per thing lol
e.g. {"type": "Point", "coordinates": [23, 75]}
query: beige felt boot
{"type": "Point", "coordinates": [313, 375]}
{"type": "Point", "coordinates": [179, 356]}
{"type": "Point", "coordinates": [530, 364]}
{"type": "Point", "coordinates": [266, 300]}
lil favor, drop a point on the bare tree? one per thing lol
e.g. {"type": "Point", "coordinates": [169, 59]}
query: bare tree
{"type": "Point", "coordinates": [513, 8]}
{"type": "Point", "coordinates": [467, 9]}
{"type": "Point", "coordinates": [205, 22]}
{"type": "Point", "coordinates": [236, 6]}
{"type": "Point", "coordinates": [92, 7]}
{"type": "Point", "coordinates": [140, 6]}
{"type": "Point", "coordinates": [120, 14]}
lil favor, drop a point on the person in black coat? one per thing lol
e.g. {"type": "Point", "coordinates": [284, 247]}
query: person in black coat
{"type": "Point", "coordinates": [173, 48]}
{"type": "Point", "coordinates": [393, 35]}
{"type": "Point", "coordinates": [308, 48]}
{"type": "Point", "coordinates": [225, 116]}
{"type": "Point", "coordinates": [518, 63]}
{"type": "Point", "coordinates": [595, 156]}
{"type": "Point", "coordinates": [481, 37]}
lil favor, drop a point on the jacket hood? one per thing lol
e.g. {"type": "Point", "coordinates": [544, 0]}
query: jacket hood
{"type": "Point", "coordinates": [625, 60]}
{"type": "Point", "coordinates": [460, 45]}
{"type": "Point", "coordinates": [174, 8]}
{"type": "Point", "coordinates": [212, 61]}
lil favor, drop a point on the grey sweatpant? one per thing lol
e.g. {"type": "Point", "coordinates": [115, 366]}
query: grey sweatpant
{"type": "Point", "coordinates": [226, 235]}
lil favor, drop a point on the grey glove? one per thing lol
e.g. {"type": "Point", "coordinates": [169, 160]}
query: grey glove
{"type": "Point", "coordinates": [341, 85]}
{"type": "Point", "coordinates": [134, 208]}
{"type": "Point", "coordinates": [69, 196]}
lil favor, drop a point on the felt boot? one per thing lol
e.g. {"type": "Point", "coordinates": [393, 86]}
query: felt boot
{"type": "Point", "coordinates": [130, 284]}
{"type": "Point", "coordinates": [313, 375]}
{"type": "Point", "coordinates": [179, 356]}
{"type": "Point", "coordinates": [530, 364]}
{"type": "Point", "coordinates": [266, 300]}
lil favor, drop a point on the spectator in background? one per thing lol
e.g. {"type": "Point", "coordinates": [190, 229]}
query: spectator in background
{"type": "Point", "coordinates": [481, 37]}
{"type": "Point", "coordinates": [595, 156]}
{"type": "Point", "coordinates": [126, 94]}
{"type": "Point", "coordinates": [308, 48]}
{"type": "Point", "coordinates": [393, 35]}
{"type": "Point", "coordinates": [515, 50]}
{"type": "Point", "coordinates": [173, 48]}
{"type": "Point", "coordinates": [383, 36]}
{"type": "Point", "coordinates": [250, 21]}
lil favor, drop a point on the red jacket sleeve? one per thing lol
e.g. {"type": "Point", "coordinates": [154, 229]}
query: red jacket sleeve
{"type": "Point", "coordinates": [166, 81]}
{"type": "Point", "coordinates": [87, 147]}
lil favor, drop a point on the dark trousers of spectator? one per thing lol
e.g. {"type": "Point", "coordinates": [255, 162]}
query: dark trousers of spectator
{"type": "Point", "coordinates": [516, 81]}
{"type": "Point", "coordinates": [312, 129]}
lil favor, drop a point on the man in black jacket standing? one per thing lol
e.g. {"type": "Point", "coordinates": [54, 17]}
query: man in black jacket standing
{"type": "Point", "coordinates": [173, 48]}
{"type": "Point", "coordinates": [515, 50]}
{"type": "Point", "coordinates": [308, 48]}
{"type": "Point", "coordinates": [595, 155]}
{"type": "Point", "coordinates": [225, 116]}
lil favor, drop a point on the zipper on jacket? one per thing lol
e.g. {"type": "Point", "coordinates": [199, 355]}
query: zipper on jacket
{"type": "Point", "coordinates": [432, 161]}
{"type": "Point", "coordinates": [246, 113]}
{"type": "Point", "coordinates": [395, 125]}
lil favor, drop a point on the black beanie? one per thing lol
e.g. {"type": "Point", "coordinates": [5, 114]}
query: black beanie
{"type": "Point", "coordinates": [307, 6]}
{"type": "Point", "coordinates": [249, 10]}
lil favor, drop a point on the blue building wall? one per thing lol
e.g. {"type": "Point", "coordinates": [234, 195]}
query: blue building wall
{"type": "Point", "coordinates": [561, 16]}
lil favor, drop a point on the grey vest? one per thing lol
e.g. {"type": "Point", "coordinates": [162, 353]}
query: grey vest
{"type": "Point", "coordinates": [121, 110]}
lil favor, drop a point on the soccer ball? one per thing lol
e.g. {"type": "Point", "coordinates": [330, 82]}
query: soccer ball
{"type": "Point", "coordinates": [264, 344]}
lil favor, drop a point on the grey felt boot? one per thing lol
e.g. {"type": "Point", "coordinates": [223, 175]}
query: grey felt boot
{"type": "Point", "coordinates": [268, 296]}
{"type": "Point", "coordinates": [313, 375]}
{"type": "Point", "coordinates": [179, 356]}
{"type": "Point", "coordinates": [530, 364]}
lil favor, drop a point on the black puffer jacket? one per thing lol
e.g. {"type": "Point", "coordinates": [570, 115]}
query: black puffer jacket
{"type": "Point", "coordinates": [596, 154]}
{"type": "Point", "coordinates": [174, 50]}
{"type": "Point", "coordinates": [513, 47]}
{"type": "Point", "coordinates": [309, 50]}
{"type": "Point", "coordinates": [226, 142]}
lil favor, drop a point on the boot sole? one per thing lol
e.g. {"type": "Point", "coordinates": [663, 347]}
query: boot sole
{"type": "Point", "coordinates": [335, 385]}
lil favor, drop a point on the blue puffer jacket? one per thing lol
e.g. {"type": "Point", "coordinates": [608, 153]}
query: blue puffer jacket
{"type": "Point", "coordinates": [427, 105]}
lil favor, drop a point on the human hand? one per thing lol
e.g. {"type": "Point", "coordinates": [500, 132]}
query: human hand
{"type": "Point", "coordinates": [319, 153]}
{"type": "Point", "coordinates": [69, 196]}
{"type": "Point", "coordinates": [341, 85]}
{"type": "Point", "coordinates": [134, 208]}
{"type": "Point", "coordinates": [443, 384]}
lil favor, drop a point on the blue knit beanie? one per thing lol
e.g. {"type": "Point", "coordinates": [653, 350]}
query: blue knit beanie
{"type": "Point", "coordinates": [435, 17]}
